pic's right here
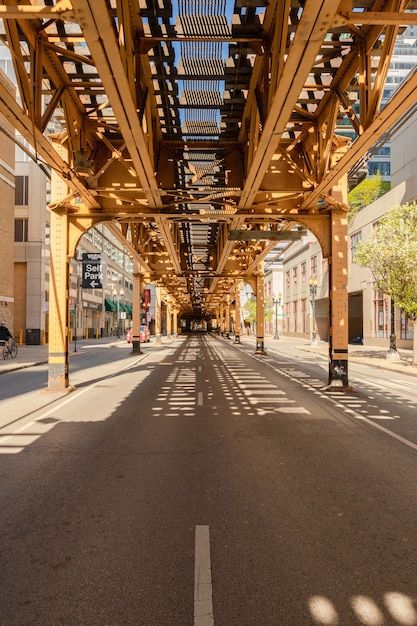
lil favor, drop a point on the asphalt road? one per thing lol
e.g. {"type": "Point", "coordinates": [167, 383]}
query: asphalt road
{"type": "Point", "coordinates": [199, 485]}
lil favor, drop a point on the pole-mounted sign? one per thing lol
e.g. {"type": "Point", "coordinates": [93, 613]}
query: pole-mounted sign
{"type": "Point", "coordinates": [92, 271]}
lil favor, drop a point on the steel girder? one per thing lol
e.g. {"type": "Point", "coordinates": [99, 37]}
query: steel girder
{"type": "Point", "coordinates": [180, 129]}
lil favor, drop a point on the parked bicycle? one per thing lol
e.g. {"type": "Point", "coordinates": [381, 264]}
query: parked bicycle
{"type": "Point", "coordinates": [10, 349]}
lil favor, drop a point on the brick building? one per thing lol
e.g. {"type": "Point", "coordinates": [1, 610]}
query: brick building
{"type": "Point", "coordinates": [7, 192]}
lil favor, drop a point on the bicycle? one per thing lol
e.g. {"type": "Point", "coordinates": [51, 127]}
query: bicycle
{"type": "Point", "coordinates": [10, 349]}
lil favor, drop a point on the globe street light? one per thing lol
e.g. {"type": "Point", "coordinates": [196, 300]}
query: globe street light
{"type": "Point", "coordinates": [277, 302]}
{"type": "Point", "coordinates": [313, 282]}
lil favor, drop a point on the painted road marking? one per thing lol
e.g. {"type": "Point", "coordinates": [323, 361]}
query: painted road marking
{"type": "Point", "coordinates": [200, 398]}
{"type": "Point", "coordinates": [203, 600]}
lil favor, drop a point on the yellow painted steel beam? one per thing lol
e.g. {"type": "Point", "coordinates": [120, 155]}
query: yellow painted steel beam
{"type": "Point", "coordinates": [373, 18]}
{"type": "Point", "coordinates": [165, 228]}
{"type": "Point", "coordinates": [403, 99]}
{"type": "Point", "coordinates": [315, 21]}
{"type": "Point", "coordinates": [114, 228]}
{"type": "Point", "coordinates": [13, 112]}
{"type": "Point", "coordinates": [98, 30]}
{"type": "Point", "coordinates": [61, 11]}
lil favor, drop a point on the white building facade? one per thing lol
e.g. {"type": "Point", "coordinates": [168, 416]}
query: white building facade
{"type": "Point", "coordinates": [369, 310]}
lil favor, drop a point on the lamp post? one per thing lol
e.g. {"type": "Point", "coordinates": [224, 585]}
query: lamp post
{"type": "Point", "coordinates": [313, 282]}
{"type": "Point", "coordinates": [277, 302]}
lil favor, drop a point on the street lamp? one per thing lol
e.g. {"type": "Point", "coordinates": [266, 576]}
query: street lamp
{"type": "Point", "coordinates": [313, 282]}
{"type": "Point", "coordinates": [277, 302]}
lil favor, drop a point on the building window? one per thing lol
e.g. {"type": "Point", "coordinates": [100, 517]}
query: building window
{"type": "Point", "coordinates": [21, 190]}
{"type": "Point", "coordinates": [295, 315]}
{"type": "Point", "coordinates": [380, 314]}
{"type": "Point", "coordinates": [303, 272]}
{"type": "Point", "coordinates": [313, 266]}
{"type": "Point", "coordinates": [21, 229]}
{"type": "Point", "coordinates": [406, 327]}
{"type": "Point", "coordinates": [294, 275]}
{"type": "Point", "coordinates": [287, 280]}
{"type": "Point", "coordinates": [354, 240]}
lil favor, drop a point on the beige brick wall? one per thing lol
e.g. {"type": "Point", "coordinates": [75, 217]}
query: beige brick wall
{"type": "Point", "coordinates": [20, 274]}
{"type": "Point", "coordinates": [7, 164]}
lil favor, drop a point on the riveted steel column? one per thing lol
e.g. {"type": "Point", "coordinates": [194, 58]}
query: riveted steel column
{"type": "Point", "coordinates": [158, 314]}
{"type": "Point", "coordinates": [260, 312]}
{"type": "Point", "coordinates": [218, 320]}
{"type": "Point", "coordinates": [58, 355]}
{"type": "Point", "coordinates": [175, 321]}
{"type": "Point", "coordinates": [169, 320]}
{"type": "Point", "coordinates": [338, 302]}
{"type": "Point", "coordinates": [237, 313]}
{"type": "Point", "coordinates": [227, 319]}
{"type": "Point", "coordinates": [221, 319]}
{"type": "Point", "coordinates": [137, 308]}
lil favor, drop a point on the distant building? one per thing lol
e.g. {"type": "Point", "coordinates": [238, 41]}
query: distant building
{"type": "Point", "coordinates": [369, 310]}
{"type": "Point", "coordinates": [25, 253]}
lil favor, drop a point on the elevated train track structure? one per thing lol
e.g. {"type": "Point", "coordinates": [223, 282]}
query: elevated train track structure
{"type": "Point", "coordinates": [201, 132]}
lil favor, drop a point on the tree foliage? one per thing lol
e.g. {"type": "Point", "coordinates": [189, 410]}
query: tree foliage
{"type": "Point", "coordinates": [249, 309]}
{"type": "Point", "coordinates": [369, 190]}
{"type": "Point", "coordinates": [391, 255]}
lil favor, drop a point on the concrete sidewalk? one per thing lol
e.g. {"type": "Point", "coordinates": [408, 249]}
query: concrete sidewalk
{"type": "Point", "coordinates": [371, 355]}
{"type": "Point", "coordinates": [29, 356]}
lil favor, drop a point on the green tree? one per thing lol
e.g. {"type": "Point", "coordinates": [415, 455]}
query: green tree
{"type": "Point", "coordinates": [269, 309]}
{"type": "Point", "coordinates": [368, 190]}
{"type": "Point", "coordinates": [391, 255]}
{"type": "Point", "coordinates": [249, 309]}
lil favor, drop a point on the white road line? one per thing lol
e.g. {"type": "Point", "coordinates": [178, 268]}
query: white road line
{"type": "Point", "coordinates": [203, 600]}
{"type": "Point", "coordinates": [200, 398]}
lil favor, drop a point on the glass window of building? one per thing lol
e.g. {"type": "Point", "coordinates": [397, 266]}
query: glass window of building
{"type": "Point", "coordinates": [21, 229]}
{"type": "Point", "coordinates": [303, 272]}
{"type": "Point", "coordinates": [313, 266]}
{"type": "Point", "coordinates": [380, 314]}
{"type": "Point", "coordinates": [21, 191]}
{"type": "Point", "coordinates": [406, 326]}
{"type": "Point", "coordinates": [353, 242]}
{"type": "Point", "coordinates": [294, 275]}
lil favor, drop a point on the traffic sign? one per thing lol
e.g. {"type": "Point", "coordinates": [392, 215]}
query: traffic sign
{"type": "Point", "coordinates": [92, 277]}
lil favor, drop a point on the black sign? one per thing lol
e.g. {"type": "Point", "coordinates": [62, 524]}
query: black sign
{"type": "Point", "coordinates": [92, 271]}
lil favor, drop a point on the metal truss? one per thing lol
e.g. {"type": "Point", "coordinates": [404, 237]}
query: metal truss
{"type": "Point", "coordinates": [202, 130]}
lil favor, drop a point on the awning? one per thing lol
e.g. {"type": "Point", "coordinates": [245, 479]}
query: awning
{"type": "Point", "coordinates": [110, 305]}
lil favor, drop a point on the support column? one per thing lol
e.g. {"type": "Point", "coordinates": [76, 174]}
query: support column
{"type": "Point", "coordinates": [137, 308]}
{"type": "Point", "coordinates": [260, 312]}
{"type": "Point", "coordinates": [237, 313]}
{"type": "Point", "coordinates": [58, 355]}
{"type": "Point", "coordinates": [227, 319]}
{"type": "Point", "coordinates": [222, 320]}
{"type": "Point", "coordinates": [169, 320]}
{"type": "Point", "coordinates": [158, 315]}
{"type": "Point", "coordinates": [175, 321]}
{"type": "Point", "coordinates": [338, 303]}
